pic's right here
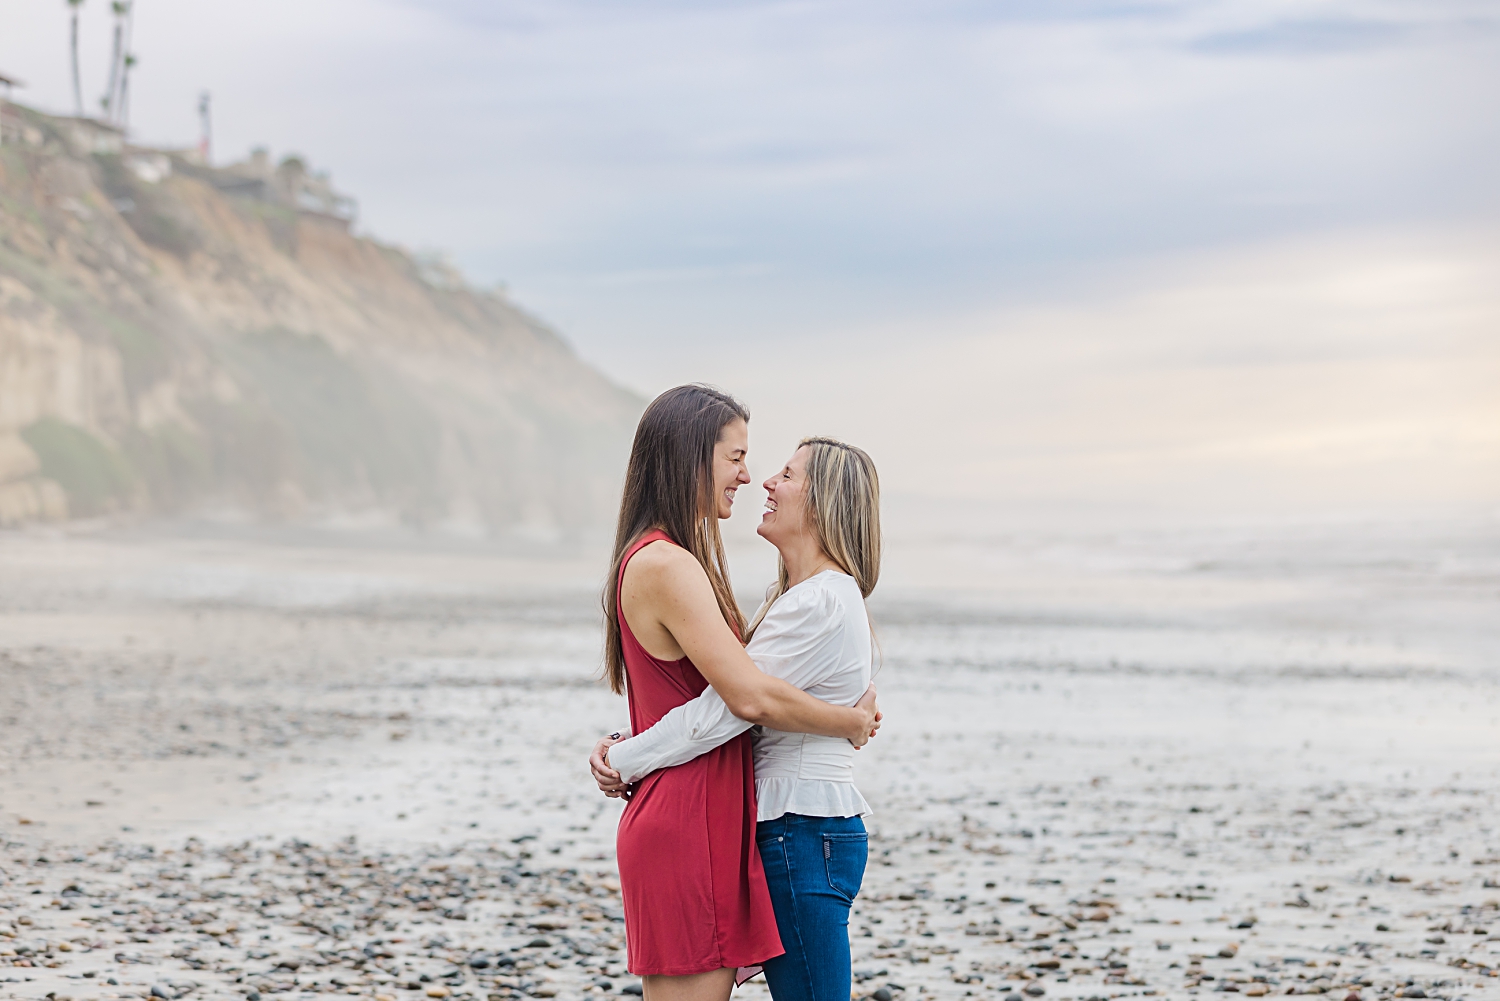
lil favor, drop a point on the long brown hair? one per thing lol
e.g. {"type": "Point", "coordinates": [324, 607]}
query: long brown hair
{"type": "Point", "coordinates": [842, 506]}
{"type": "Point", "coordinates": [670, 485]}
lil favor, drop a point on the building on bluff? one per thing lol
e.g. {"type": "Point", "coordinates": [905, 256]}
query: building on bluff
{"type": "Point", "coordinates": [289, 183]}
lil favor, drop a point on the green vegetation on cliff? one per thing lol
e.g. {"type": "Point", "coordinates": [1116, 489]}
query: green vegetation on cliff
{"type": "Point", "coordinates": [93, 475]}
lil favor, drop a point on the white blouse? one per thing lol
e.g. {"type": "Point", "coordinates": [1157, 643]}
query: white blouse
{"type": "Point", "coordinates": [815, 636]}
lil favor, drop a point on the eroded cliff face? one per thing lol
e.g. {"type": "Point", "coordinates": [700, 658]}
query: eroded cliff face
{"type": "Point", "coordinates": [166, 347]}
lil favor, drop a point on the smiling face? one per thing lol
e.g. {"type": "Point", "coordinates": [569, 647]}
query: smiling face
{"type": "Point", "coordinates": [786, 502]}
{"type": "Point", "coordinates": [729, 465]}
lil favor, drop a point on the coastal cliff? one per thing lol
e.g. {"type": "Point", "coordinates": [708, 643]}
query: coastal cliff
{"type": "Point", "coordinates": [176, 339]}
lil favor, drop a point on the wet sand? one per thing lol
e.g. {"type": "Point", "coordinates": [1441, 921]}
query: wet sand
{"type": "Point", "coordinates": [1262, 762]}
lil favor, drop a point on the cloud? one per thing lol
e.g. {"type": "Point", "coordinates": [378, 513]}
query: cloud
{"type": "Point", "coordinates": [1315, 374]}
{"type": "Point", "coordinates": [1306, 38]}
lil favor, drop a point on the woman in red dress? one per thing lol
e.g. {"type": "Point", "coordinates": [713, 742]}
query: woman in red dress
{"type": "Point", "coordinates": [696, 904]}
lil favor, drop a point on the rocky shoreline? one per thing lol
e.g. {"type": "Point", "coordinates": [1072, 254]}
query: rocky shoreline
{"type": "Point", "coordinates": [477, 921]}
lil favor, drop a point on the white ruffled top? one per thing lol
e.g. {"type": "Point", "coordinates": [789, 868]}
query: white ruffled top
{"type": "Point", "coordinates": [815, 636]}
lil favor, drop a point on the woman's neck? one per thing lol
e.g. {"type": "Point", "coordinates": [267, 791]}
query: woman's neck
{"type": "Point", "coordinates": [804, 558]}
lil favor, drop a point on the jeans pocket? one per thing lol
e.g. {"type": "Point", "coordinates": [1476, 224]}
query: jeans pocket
{"type": "Point", "coordinates": [844, 857]}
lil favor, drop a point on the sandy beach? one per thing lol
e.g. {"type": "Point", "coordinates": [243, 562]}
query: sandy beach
{"type": "Point", "coordinates": [1256, 760]}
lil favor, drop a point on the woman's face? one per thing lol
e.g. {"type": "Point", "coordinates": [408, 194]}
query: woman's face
{"type": "Point", "coordinates": [729, 465]}
{"type": "Point", "coordinates": [786, 495]}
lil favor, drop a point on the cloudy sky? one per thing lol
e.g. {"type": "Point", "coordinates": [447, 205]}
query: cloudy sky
{"type": "Point", "coordinates": [1187, 254]}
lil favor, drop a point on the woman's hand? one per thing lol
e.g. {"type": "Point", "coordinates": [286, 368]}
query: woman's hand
{"type": "Point", "coordinates": [607, 777]}
{"type": "Point", "coordinates": [871, 717]}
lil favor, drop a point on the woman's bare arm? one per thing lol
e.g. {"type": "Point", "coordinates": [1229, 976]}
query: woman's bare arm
{"type": "Point", "coordinates": [672, 589]}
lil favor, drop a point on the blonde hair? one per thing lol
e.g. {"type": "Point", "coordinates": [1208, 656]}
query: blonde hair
{"type": "Point", "coordinates": [842, 504]}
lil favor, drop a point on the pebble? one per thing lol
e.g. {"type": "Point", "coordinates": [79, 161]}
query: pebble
{"type": "Point", "coordinates": [248, 921]}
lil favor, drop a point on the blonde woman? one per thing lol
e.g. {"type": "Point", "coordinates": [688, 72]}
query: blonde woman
{"type": "Point", "coordinates": [823, 516]}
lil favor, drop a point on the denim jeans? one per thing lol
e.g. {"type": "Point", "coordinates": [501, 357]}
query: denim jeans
{"type": "Point", "coordinates": [814, 867]}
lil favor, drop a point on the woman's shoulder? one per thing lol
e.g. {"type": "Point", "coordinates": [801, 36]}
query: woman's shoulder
{"type": "Point", "coordinates": [817, 596]}
{"type": "Point", "coordinates": [662, 562]}
{"type": "Point", "coordinates": [834, 587]}
{"type": "Point", "coordinates": [656, 548]}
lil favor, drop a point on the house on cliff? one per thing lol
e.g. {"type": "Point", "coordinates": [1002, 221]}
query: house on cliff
{"type": "Point", "coordinates": [290, 184]}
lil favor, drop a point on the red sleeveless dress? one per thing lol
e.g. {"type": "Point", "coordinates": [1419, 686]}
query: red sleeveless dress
{"type": "Point", "coordinates": [694, 892]}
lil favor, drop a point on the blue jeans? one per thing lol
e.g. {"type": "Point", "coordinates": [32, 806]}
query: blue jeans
{"type": "Point", "coordinates": [814, 867]}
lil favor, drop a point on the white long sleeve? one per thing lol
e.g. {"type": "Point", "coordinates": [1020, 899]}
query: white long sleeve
{"type": "Point", "coordinates": [800, 640]}
{"type": "Point", "coordinates": [678, 737]}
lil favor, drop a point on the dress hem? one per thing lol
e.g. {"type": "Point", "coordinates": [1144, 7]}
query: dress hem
{"type": "Point", "coordinates": [753, 964]}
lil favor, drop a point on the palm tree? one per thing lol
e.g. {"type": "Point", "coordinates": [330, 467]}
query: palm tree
{"type": "Point", "coordinates": [77, 88]}
{"type": "Point", "coordinates": [125, 92]}
{"type": "Point", "coordinates": [111, 99]}
{"type": "Point", "coordinates": [127, 61]}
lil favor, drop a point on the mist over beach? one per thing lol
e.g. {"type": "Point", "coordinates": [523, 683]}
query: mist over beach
{"type": "Point", "coordinates": [1172, 330]}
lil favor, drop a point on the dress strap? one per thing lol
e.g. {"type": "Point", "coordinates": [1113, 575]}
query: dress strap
{"type": "Point", "coordinates": [654, 535]}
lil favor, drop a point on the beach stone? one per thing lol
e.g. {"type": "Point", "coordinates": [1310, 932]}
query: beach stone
{"type": "Point", "coordinates": [632, 989]}
{"type": "Point", "coordinates": [881, 994]}
{"type": "Point", "coordinates": [157, 991]}
{"type": "Point", "coordinates": [1229, 951]}
{"type": "Point", "coordinates": [539, 943]}
{"type": "Point", "coordinates": [1035, 990]}
{"type": "Point", "coordinates": [437, 991]}
{"type": "Point", "coordinates": [1014, 997]}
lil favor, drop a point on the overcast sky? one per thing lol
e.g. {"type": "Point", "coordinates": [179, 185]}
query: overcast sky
{"type": "Point", "coordinates": [1213, 253]}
